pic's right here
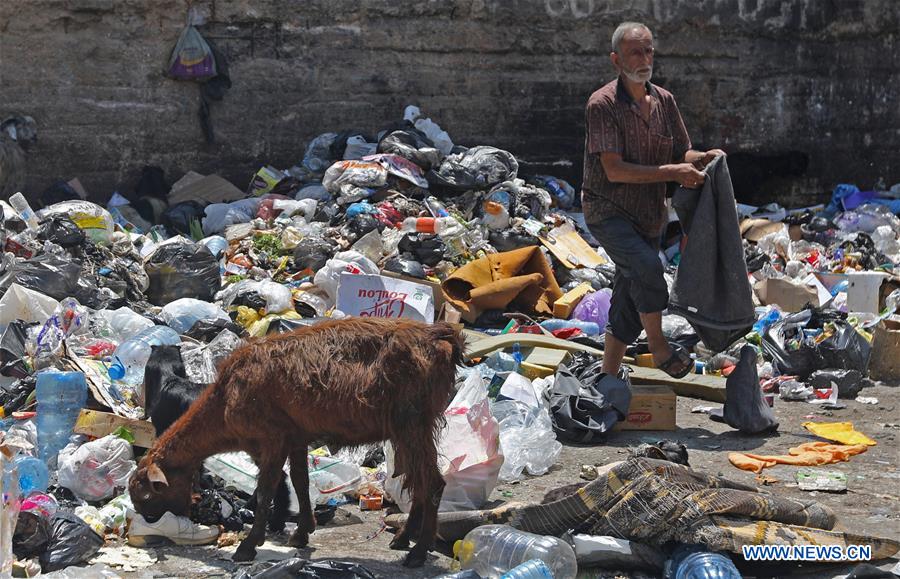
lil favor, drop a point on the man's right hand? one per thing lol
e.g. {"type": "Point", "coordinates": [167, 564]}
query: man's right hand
{"type": "Point", "coordinates": [686, 175]}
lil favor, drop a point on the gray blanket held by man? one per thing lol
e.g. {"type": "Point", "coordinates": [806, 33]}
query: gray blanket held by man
{"type": "Point", "coordinates": [711, 287]}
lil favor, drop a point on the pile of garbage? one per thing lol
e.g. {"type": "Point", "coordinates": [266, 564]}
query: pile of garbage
{"type": "Point", "coordinates": [402, 223]}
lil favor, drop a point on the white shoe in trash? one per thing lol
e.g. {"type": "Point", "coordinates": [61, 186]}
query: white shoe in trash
{"type": "Point", "coordinates": [179, 530]}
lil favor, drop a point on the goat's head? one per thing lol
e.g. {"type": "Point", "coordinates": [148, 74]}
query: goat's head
{"type": "Point", "coordinates": [168, 359]}
{"type": "Point", "coordinates": [153, 492]}
{"type": "Point", "coordinates": [21, 128]}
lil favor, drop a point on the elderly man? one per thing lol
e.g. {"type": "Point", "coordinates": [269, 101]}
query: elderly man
{"type": "Point", "coordinates": [635, 143]}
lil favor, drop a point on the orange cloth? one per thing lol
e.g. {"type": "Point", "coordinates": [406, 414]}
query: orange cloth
{"type": "Point", "coordinates": [807, 454]}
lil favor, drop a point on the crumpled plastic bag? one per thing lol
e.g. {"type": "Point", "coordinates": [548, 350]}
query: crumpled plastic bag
{"type": "Point", "coordinates": [303, 569]}
{"type": "Point", "coordinates": [201, 363]}
{"type": "Point", "coordinates": [526, 439]}
{"type": "Point", "coordinates": [478, 168]}
{"type": "Point", "coordinates": [71, 542]}
{"type": "Point", "coordinates": [411, 144]}
{"type": "Point", "coordinates": [21, 303]}
{"type": "Point", "coordinates": [95, 221]}
{"type": "Point", "coordinates": [94, 470]}
{"type": "Point", "coordinates": [221, 215]}
{"type": "Point", "coordinates": [842, 432]}
{"type": "Point", "coordinates": [351, 178]}
{"type": "Point", "coordinates": [192, 58]}
{"type": "Point", "coordinates": [52, 275]}
{"type": "Point", "coordinates": [312, 253]}
{"type": "Point", "coordinates": [182, 314]}
{"type": "Point", "coordinates": [180, 270]}
{"type": "Point", "coordinates": [469, 455]}
{"type": "Point", "coordinates": [271, 296]}
{"type": "Point", "coordinates": [120, 324]}
{"type": "Point", "coordinates": [328, 278]}
{"type": "Point", "coordinates": [594, 307]}
{"type": "Point", "coordinates": [62, 231]}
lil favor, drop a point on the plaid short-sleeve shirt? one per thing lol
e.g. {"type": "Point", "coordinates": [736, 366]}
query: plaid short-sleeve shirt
{"type": "Point", "coordinates": [614, 124]}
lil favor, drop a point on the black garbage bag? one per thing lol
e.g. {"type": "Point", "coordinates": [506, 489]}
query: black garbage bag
{"type": "Point", "coordinates": [848, 382]}
{"type": "Point", "coordinates": [412, 144]}
{"type": "Point", "coordinates": [312, 253]}
{"type": "Point", "coordinates": [359, 225]}
{"type": "Point", "coordinates": [585, 403]}
{"type": "Point", "coordinates": [178, 217]}
{"type": "Point", "coordinates": [665, 449]}
{"type": "Point", "coordinates": [478, 168]}
{"type": "Point", "coordinates": [508, 240]}
{"type": "Point", "coordinates": [14, 396]}
{"type": "Point", "coordinates": [328, 213]}
{"type": "Point", "coordinates": [71, 542]}
{"type": "Point", "coordinates": [31, 535]}
{"type": "Point", "coordinates": [62, 231]}
{"type": "Point", "coordinates": [303, 569]}
{"type": "Point", "coordinates": [206, 330]}
{"type": "Point", "coordinates": [182, 270]}
{"type": "Point", "coordinates": [12, 349]}
{"type": "Point", "coordinates": [425, 248]}
{"type": "Point", "coordinates": [745, 409]}
{"type": "Point", "coordinates": [405, 265]}
{"type": "Point", "coordinates": [846, 348]}
{"type": "Point", "coordinates": [49, 274]}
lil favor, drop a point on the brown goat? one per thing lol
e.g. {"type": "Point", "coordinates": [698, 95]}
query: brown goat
{"type": "Point", "coordinates": [348, 382]}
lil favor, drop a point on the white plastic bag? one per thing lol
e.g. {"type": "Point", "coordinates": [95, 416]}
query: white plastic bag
{"type": "Point", "coordinates": [94, 470]}
{"type": "Point", "coordinates": [278, 297]}
{"type": "Point", "coordinates": [526, 438]}
{"type": "Point", "coordinates": [357, 148]}
{"type": "Point", "coordinates": [21, 303]}
{"type": "Point", "coordinates": [121, 324]}
{"type": "Point", "coordinates": [182, 314]}
{"type": "Point", "coordinates": [469, 456]}
{"type": "Point", "coordinates": [95, 221]}
{"type": "Point", "coordinates": [328, 278]}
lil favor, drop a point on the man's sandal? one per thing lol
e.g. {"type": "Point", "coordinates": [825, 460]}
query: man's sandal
{"type": "Point", "coordinates": [679, 363]}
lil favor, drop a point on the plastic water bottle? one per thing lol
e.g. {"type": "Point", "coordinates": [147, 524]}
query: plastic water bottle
{"type": "Point", "coordinates": [20, 204]}
{"type": "Point", "coordinates": [215, 244]}
{"type": "Point", "coordinates": [131, 356]}
{"type": "Point", "coordinates": [534, 569]}
{"type": "Point", "coordinates": [443, 226]}
{"type": "Point", "coordinates": [60, 398]}
{"type": "Point", "coordinates": [33, 474]}
{"type": "Point", "coordinates": [693, 562]}
{"type": "Point", "coordinates": [492, 550]}
{"type": "Point", "coordinates": [589, 328]}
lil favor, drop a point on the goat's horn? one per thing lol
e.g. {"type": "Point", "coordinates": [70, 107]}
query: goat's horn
{"type": "Point", "coordinates": [156, 475]}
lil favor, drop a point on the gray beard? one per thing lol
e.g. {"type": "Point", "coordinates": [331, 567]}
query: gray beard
{"type": "Point", "coordinates": [637, 77]}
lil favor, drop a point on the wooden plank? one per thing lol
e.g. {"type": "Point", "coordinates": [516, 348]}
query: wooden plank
{"type": "Point", "coordinates": [711, 388]}
{"type": "Point", "coordinates": [570, 248]}
{"type": "Point", "coordinates": [98, 424]}
{"type": "Point", "coordinates": [562, 308]}
{"type": "Point", "coordinates": [487, 345]}
{"type": "Point", "coordinates": [549, 357]}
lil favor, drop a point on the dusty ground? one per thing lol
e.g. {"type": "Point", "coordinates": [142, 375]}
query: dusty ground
{"type": "Point", "coordinates": [871, 505]}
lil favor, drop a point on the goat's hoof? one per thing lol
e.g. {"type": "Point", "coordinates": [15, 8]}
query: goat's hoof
{"type": "Point", "coordinates": [415, 558]}
{"type": "Point", "coordinates": [399, 543]}
{"type": "Point", "coordinates": [244, 553]}
{"type": "Point", "coordinates": [298, 539]}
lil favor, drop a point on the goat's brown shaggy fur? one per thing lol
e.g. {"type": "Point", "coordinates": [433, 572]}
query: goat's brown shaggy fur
{"type": "Point", "coordinates": [349, 382]}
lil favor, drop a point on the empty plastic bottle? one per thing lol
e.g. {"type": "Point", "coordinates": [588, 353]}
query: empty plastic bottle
{"type": "Point", "coordinates": [20, 204]}
{"type": "Point", "coordinates": [589, 328]}
{"type": "Point", "coordinates": [492, 550]}
{"type": "Point", "coordinates": [33, 474]}
{"type": "Point", "coordinates": [443, 226]}
{"type": "Point", "coordinates": [693, 562]}
{"type": "Point", "coordinates": [60, 398]}
{"type": "Point", "coordinates": [436, 208]}
{"type": "Point", "coordinates": [534, 569]}
{"type": "Point", "coordinates": [131, 356]}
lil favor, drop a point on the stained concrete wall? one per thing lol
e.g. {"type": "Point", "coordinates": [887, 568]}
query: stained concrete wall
{"type": "Point", "coordinates": [763, 77]}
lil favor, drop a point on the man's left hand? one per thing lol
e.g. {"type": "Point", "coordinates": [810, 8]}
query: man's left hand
{"type": "Point", "coordinates": [708, 157]}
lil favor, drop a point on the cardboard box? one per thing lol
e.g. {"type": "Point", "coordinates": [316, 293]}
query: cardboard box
{"type": "Point", "coordinates": [436, 290]}
{"type": "Point", "coordinates": [564, 306]}
{"type": "Point", "coordinates": [652, 408]}
{"type": "Point", "coordinates": [790, 297]}
{"type": "Point", "coordinates": [384, 297]}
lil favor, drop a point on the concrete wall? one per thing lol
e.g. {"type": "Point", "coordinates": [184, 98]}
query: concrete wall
{"type": "Point", "coordinates": [764, 77]}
